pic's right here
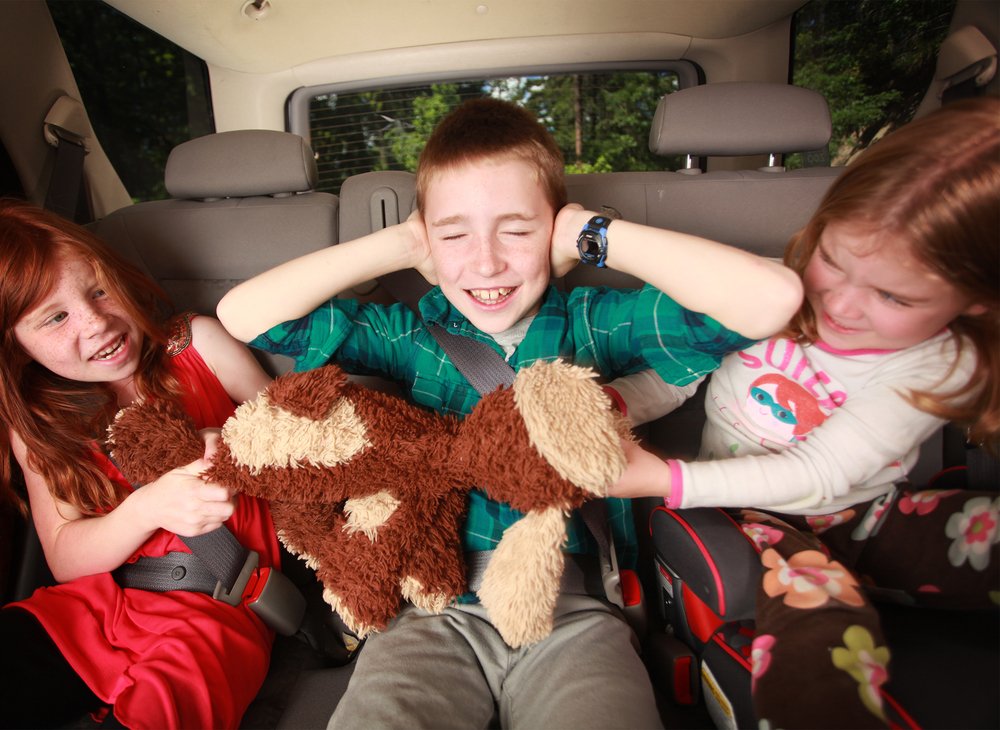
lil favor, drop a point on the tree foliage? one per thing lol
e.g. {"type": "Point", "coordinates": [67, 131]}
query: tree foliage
{"type": "Point", "coordinates": [872, 59]}
{"type": "Point", "coordinates": [140, 90]}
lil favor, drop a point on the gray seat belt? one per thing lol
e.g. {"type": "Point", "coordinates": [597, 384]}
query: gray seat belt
{"type": "Point", "coordinates": [66, 129]}
{"type": "Point", "coordinates": [222, 567]}
{"type": "Point", "coordinates": [481, 365]}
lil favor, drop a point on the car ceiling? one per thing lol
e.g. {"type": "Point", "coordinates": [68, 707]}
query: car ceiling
{"type": "Point", "coordinates": [285, 34]}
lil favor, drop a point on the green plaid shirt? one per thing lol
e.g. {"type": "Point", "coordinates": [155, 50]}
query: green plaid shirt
{"type": "Point", "coordinates": [615, 332]}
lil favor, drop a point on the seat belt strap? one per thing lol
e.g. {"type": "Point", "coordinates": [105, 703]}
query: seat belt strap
{"type": "Point", "coordinates": [67, 173]}
{"type": "Point", "coordinates": [481, 365]}
{"type": "Point", "coordinates": [581, 576]}
{"type": "Point", "coordinates": [595, 516]}
{"type": "Point", "coordinates": [174, 571]}
{"type": "Point", "coordinates": [66, 128]}
{"type": "Point", "coordinates": [221, 553]}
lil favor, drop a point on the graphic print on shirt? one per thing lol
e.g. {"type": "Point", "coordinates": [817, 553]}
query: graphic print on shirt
{"type": "Point", "coordinates": [783, 408]}
{"type": "Point", "coordinates": [778, 396]}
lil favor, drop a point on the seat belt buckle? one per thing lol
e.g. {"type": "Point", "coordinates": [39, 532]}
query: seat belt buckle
{"type": "Point", "coordinates": [234, 596]}
{"type": "Point", "coordinates": [611, 577]}
{"type": "Point", "coordinates": [277, 601]}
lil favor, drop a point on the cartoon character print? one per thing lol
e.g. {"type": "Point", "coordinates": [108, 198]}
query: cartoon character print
{"type": "Point", "coordinates": [783, 408]}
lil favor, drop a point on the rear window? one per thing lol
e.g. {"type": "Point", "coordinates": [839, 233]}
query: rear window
{"type": "Point", "coordinates": [600, 119]}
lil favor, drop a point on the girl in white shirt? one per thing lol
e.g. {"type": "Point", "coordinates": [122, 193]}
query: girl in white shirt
{"type": "Point", "coordinates": [815, 429]}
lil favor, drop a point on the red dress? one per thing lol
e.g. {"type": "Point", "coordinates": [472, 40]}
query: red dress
{"type": "Point", "coordinates": [177, 659]}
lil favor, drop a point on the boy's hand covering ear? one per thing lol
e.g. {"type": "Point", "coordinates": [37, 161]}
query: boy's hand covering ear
{"type": "Point", "coordinates": [563, 254]}
{"type": "Point", "coordinates": [423, 262]}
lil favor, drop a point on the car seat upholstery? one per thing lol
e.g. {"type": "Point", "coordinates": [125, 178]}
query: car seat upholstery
{"type": "Point", "coordinates": [241, 202]}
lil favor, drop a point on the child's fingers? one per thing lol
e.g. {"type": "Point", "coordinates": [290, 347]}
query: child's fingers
{"type": "Point", "coordinates": [212, 438]}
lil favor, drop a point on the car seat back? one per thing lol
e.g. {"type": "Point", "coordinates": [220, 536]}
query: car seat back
{"type": "Point", "coordinates": [241, 202]}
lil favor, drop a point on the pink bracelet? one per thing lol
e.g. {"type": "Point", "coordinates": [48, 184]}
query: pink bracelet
{"type": "Point", "coordinates": [676, 496]}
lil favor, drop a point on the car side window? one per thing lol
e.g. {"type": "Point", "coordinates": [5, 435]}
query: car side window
{"type": "Point", "coordinates": [144, 94]}
{"type": "Point", "coordinates": [873, 61]}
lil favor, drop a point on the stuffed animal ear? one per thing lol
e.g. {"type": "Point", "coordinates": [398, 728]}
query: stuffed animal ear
{"type": "Point", "coordinates": [149, 439]}
{"type": "Point", "coordinates": [308, 394]}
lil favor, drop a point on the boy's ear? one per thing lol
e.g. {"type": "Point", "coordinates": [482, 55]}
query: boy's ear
{"type": "Point", "coordinates": [974, 310]}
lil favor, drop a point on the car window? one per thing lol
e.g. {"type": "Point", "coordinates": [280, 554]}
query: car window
{"type": "Point", "coordinates": [600, 119]}
{"type": "Point", "coordinates": [144, 95]}
{"type": "Point", "coordinates": [873, 60]}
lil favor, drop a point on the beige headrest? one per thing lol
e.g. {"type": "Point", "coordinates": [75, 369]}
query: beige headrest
{"type": "Point", "coordinates": [241, 164]}
{"type": "Point", "coordinates": [740, 118]}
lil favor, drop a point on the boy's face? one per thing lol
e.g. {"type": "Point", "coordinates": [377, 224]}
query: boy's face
{"type": "Point", "coordinates": [489, 226]}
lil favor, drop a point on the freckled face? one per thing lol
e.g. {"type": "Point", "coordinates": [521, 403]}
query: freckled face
{"type": "Point", "coordinates": [79, 332]}
{"type": "Point", "coordinates": [489, 227]}
{"type": "Point", "coordinates": [869, 292]}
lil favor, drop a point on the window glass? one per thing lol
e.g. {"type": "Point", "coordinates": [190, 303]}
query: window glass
{"type": "Point", "coordinates": [600, 120]}
{"type": "Point", "coordinates": [873, 60]}
{"type": "Point", "coordinates": [144, 95]}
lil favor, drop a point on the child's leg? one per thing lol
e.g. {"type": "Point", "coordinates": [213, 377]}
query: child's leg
{"type": "Point", "coordinates": [818, 655]}
{"type": "Point", "coordinates": [932, 547]}
{"type": "Point", "coordinates": [425, 671]}
{"type": "Point", "coordinates": [586, 674]}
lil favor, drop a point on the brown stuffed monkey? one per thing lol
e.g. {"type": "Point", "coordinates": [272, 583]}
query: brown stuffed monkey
{"type": "Point", "coordinates": [371, 491]}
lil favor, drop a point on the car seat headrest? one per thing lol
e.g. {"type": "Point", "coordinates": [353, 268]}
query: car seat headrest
{"type": "Point", "coordinates": [740, 118]}
{"type": "Point", "coordinates": [239, 164]}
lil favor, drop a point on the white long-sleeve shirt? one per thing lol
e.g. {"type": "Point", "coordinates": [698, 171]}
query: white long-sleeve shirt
{"type": "Point", "coordinates": [812, 430]}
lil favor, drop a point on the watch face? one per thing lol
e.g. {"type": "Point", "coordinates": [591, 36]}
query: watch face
{"type": "Point", "coordinates": [589, 245]}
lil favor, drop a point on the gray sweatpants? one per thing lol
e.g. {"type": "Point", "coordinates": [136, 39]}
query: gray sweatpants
{"type": "Point", "coordinates": [452, 670]}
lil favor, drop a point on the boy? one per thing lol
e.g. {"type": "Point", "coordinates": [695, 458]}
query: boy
{"type": "Point", "coordinates": [491, 227]}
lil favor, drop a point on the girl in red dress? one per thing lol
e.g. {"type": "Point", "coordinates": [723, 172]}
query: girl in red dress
{"type": "Point", "coordinates": [82, 337]}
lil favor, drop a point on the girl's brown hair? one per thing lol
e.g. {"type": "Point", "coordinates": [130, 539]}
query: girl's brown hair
{"type": "Point", "coordinates": [58, 419]}
{"type": "Point", "coordinates": [934, 183]}
{"type": "Point", "coordinates": [488, 129]}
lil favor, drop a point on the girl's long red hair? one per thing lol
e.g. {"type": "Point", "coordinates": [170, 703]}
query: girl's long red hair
{"type": "Point", "coordinates": [61, 420]}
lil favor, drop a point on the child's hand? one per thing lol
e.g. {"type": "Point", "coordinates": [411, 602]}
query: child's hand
{"type": "Point", "coordinates": [645, 475]}
{"type": "Point", "coordinates": [212, 437]}
{"type": "Point", "coordinates": [421, 247]}
{"type": "Point", "coordinates": [182, 502]}
{"type": "Point", "coordinates": [563, 252]}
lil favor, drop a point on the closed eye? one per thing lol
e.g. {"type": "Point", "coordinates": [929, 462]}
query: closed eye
{"type": "Point", "coordinates": [891, 298]}
{"type": "Point", "coordinates": [825, 258]}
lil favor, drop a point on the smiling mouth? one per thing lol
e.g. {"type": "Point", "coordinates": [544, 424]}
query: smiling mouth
{"type": "Point", "coordinates": [837, 326]}
{"type": "Point", "coordinates": [492, 297]}
{"type": "Point", "coordinates": [110, 351]}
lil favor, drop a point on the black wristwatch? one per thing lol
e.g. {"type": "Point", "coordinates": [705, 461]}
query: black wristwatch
{"type": "Point", "coordinates": [592, 243]}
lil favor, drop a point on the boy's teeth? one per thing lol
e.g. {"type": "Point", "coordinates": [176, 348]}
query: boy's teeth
{"type": "Point", "coordinates": [491, 295]}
